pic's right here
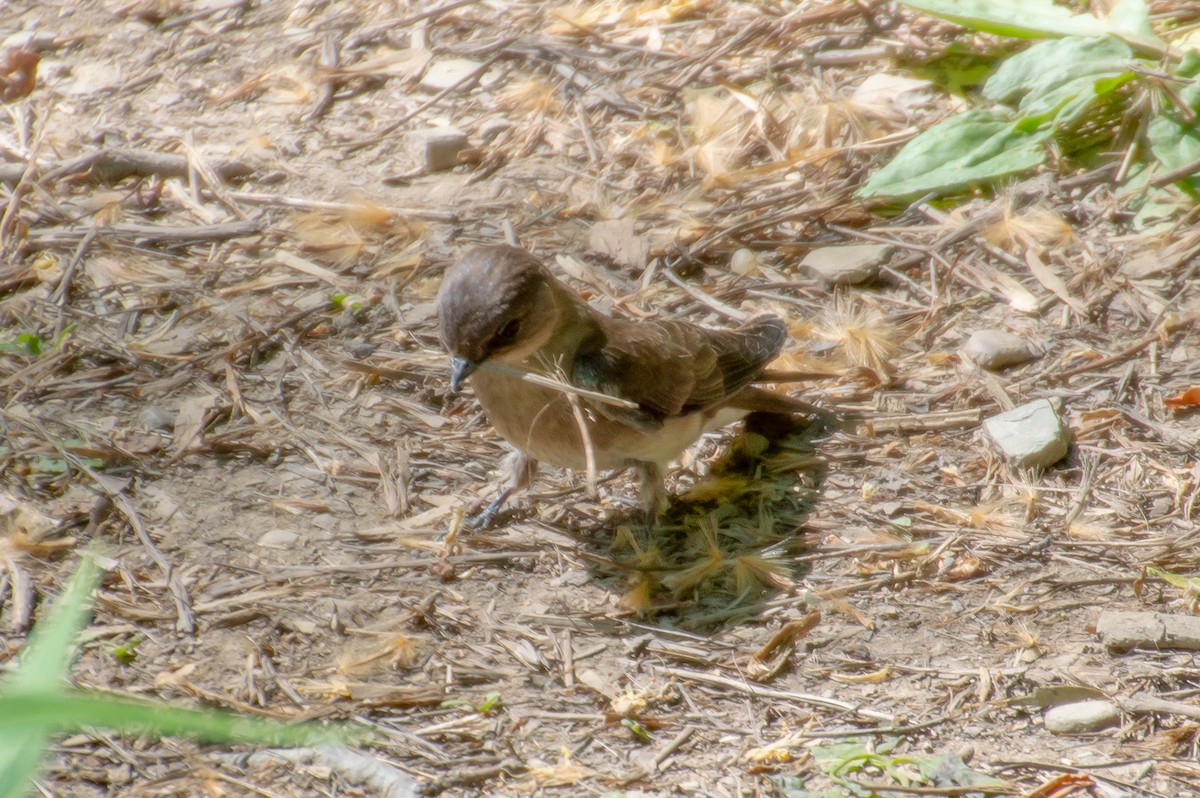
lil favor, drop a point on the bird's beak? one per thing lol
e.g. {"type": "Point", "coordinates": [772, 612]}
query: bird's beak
{"type": "Point", "coordinates": [460, 369]}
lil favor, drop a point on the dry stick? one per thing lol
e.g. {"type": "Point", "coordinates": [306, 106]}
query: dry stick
{"type": "Point", "coordinates": [387, 26]}
{"type": "Point", "coordinates": [784, 695]}
{"type": "Point", "coordinates": [259, 198]}
{"type": "Point", "coordinates": [474, 75]}
{"type": "Point", "coordinates": [707, 299]}
{"type": "Point", "coordinates": [1178, 173]}
{"type": "Point", "coordinates": [111, 165]}
{"type": "Point", "coordinates": [462, 778]}
{"type": "Point", "coordinates": [59, 297]}
{"type": "Point", "coordinates": [1142, 703]}
{"type": "Point", "coordinates": [981, 789]}
{"type": "Point", "coordinates": [557, 385]}
{"type": "Point", "coordinates": [146, 233]}
{"type": "Point", "coordinates": [24, 184]}
{"type": "Point", "coordinates": [1080, 770]}
{"type": "Point", "coordinates": [1126, 353]}
{"type": "Point", "coordinates": [671, 747]}
{"type": "Point", "coordinates": [588, 138]}
{"type": "Point", "coordinates": [589, 451]}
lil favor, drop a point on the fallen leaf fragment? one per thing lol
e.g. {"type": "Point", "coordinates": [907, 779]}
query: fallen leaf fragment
{"type": "Point", "coordinates": [1186, 399]}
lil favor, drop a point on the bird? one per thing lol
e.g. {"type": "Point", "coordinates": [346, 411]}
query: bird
{"type": "Point", "coordinates": [644, 390]}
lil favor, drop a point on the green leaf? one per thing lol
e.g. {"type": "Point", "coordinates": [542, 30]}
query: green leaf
{"type": "Point", "coordinates": [48, 651]}
{"type": "Point", "coordinates": [44, 666]}
{"type": "Point", "coordinates": [793, 787]}
{"type": "Point", "coordinates": [491, 702]}
{"type": "Point", "coordinates": [639, 732]}
{"type": "Point", "coordinates": [58, 710]}
{"type": "Point", "coordinates": [126, 653]}
{"type": "Point", "coordinates": [1061, 79]}
{"type": "Point", "coordinates": [1042, 19]}
{"type": "Point", "coordinates": [27, 344]}
{"type": "Point", "coordinates": [1188, 583]}
{"type": "Point", "coordinates": [1175, 140]}
{"type": "Point", "coordinates": [949, 770]}
{"type": "Point", "coordinates": [35, 704]}
{"type": "Point", "coordinates": [974, 147]}
{"type": "Point", "coordinates": [1132, 16]}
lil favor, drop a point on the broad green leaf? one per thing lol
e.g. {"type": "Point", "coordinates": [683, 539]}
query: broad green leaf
{"type": "Point", "coordinates": [1175, 140]}
{"type": "Point", "coordinates": [1043, 19]}
{"type": "Point", "coordinates": [1022, 19]}
{"type": "Point", "coordinates": [1061, 79]}
{"type": "Point", "coordinates": [974, 147]}
{"type": "Point", "coordinates": [1132, 16]}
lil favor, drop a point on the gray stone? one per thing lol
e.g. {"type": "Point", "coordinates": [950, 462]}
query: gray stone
{"type": "Point", "coordinates": [436, 148]}
{"type": "Point", "coordinates": [1032, 435]}
{"type": "Point", "coordinates": [155, 419]}
{"type": "Point", "coordinates": [278, 538]}
{"type": "Point", "coordinates": [1082, 717]}
{"type": "Point", "coordinates": [847, 264]}
{"type": "Point", "coordinates": [447, 72]}
{"type": "Point", "coordinates": [997, 349]}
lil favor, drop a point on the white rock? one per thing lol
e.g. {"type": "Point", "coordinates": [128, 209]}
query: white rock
{"type": "Point", "coordinates": [436, 148]}
{"type": "Point", "coordinates": [1032, 435]}
{"type": "Point", "coordinates": [278, 538]}
{"type": "Point", "coordinates": [847, 264]}
{"type": "Point", "coordinates": [744, 262]}
{"type": "Point", "coordinates": [1081, 717]}
{"type": "Point", "coordinates": [157, 419]}
{"type": "Point", "coordinates": [997, 349]}
{"type": "Point", "coordinates": [447, 72]}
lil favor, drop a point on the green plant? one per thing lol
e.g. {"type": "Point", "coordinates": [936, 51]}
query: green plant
{"type": "Point", "coordinates": [1092, 85]}
{"type": "Point", "coordinates": [36, 704]}
{"type": "Point", "coordinates": [876, 762]}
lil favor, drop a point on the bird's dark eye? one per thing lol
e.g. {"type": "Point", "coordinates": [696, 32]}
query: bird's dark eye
{"type": "Point", "coordinates": [506, 334]}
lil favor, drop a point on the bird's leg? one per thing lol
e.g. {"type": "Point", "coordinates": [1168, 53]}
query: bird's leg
{"type": "Point", "coordinates": [653, 495]}
{"type": "Point", "coordinates": [518, 469]}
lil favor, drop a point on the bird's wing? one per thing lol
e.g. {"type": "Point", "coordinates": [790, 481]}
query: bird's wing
{"type": "Point", "coordinates": [672, 368]}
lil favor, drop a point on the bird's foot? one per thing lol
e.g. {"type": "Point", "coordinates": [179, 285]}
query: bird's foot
{"type": "Point", "coordinates": [653, 494]}
{"type": "Point", "coordinates": [486, 518]}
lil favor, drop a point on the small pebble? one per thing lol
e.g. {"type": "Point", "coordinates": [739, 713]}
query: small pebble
{"type": "Point", "coordinates": [744, 262]}
{"type": "Point", "coordinates": [436, 148]}
{"type": "Point", "coordinates": [155, 419]}
{"type": "Point", "coordinates": [1032, 435]}
{"type": "Point", "coordinates": [447, 72]}
{"type": "Point", "coordinates": [1081, 717]}
{"type": "Point", "coordinates": [997, 349]}
{"type": "Point", "coordinates": [278, 538]}
{"type": "Point", "coordinates": [847, 264]}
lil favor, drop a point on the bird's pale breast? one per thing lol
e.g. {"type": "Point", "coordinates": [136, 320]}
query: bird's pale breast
{"type": "Point", "coordinates": [540, 421]}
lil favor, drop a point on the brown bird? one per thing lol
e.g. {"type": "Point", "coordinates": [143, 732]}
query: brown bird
{"type": "Point", "coordinates": [503, 313]}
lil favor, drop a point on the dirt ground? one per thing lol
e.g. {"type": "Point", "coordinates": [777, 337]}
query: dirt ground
{"type": "Point", "coordinates": [239, 390]}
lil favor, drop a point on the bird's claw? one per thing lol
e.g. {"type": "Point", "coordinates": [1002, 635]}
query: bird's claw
{"type": "Point", "coordinates": [486, 518]}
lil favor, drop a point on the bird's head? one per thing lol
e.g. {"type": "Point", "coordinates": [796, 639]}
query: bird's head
{"type": "Point", "coordinates": [495, 302]}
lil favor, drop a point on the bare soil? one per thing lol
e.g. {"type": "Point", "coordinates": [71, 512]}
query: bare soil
{"type": "Point", "coordinates": [241, 360]}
